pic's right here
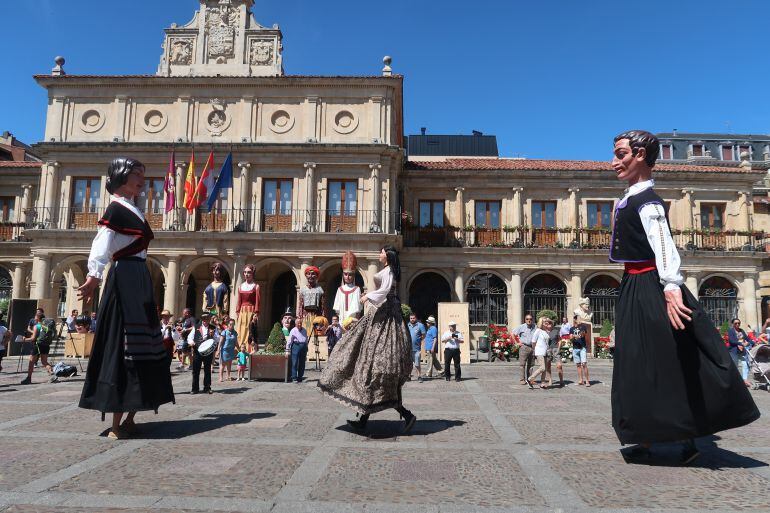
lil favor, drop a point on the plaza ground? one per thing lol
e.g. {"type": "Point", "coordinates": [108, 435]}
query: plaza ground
{"type": "Point", "coordinates": [486, 444]}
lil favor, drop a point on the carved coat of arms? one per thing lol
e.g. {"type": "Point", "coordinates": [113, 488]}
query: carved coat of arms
{"type": "Point", "coordinates": [221, 30]}
{"type": "Point", "coordinates": [261, 52]}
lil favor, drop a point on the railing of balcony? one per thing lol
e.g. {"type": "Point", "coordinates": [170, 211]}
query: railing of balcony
{"type": "Point", "coordinates": [227, 220]}
{"type": "Point", "coordinates": [573, 238]}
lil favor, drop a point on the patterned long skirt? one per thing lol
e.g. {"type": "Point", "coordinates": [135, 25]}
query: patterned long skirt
{"type": "Point", "coordinates": [371, 362]}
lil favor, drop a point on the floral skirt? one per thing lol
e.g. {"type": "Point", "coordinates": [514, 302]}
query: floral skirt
{"type": "Point", "coordinates": [371, 362]}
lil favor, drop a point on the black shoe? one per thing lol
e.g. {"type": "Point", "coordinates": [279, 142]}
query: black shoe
{"type": "Point", "coordinates": [689, 454]}
{"type": "Point", "coordinates": [458, 379]}
{"type": "Point", "coordinates": [26, 381]}
{"type": "Point", "coordinates": [193, 392]}
{"type": "Point", "coordinates": [409, 421]}
{"type": "Point", "coordinates": [207, 391]}
{"type": "Point", "coordinates": [358, 425]}
{"type": "Point", "coordinates": [636, 453]}
{"type": "Point", "coordinates": [447, 378]}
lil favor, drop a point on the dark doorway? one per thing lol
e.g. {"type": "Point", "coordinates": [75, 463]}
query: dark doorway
{"type": "Point", "coordinates": [283, 296]}
{"type": "Point", "coordinates": [426, 292]}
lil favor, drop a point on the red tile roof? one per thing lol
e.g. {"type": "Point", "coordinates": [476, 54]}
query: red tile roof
{"type": "Point", "coordinates": [550, 165]}
{"type": "Point", "coordinates": [19, 164]}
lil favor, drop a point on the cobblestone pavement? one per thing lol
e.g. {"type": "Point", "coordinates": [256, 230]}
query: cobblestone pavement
{"type": "Point", "coordinates": [486, 444]}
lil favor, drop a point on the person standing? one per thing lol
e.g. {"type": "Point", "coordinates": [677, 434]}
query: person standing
{"type": "Point", "coordinates": [333, 333]}
{"type": "Point", "coordinates": [41, 337]}
{"type": "Point", "coordinates": [431, 346]}
{"type": "Point", "coordinates": [296, 347]}
{"type": "Point", "coordinates": [452, 340]}
{"type": "Point", "coordinates": [672, 379]}
{"type": "Point", "coordinates": [369, 370]}
{"type": "Point", "coordinates": [70, 321]}
{"type": "Point", "coordinates": [200, 334]}
{"type": "Point", "coordinates": [92, 328]}
{"type": "Point", "coordinates": [416, 334]}
{"type": "Point", "coordinates": [540, 341]}
{"type": "Point", "coordinates": [5, 339]}
{"type": "Point", "coordinates": [739, 345]}
{"type": "Point", "coordinates": [243, 358]}
{"type": "Point", "coordinates": [553, 355]}
{"type": "Point", "coordinates": [128, 370]}
{"type": "Point", "coordinates": [579, 351]}
{"type": "Point", "coordinates": [228, 342]}
{"type": "Point", "coordinates": [526, 358]}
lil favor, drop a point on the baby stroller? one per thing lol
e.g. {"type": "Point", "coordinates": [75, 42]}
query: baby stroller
{"type": "Point", "coordinates": [758, 360]}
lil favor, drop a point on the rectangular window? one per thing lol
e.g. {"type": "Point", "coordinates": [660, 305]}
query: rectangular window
{"type": "Point", "coordinates": [431, 214]}
{"type": "Point", "coordinates": [727, 152]}
{"type": "Point", "coordinates": [697, 150]}
{"type": "Point", "coordinates": [277, 197]}
{"type": "Point", "coordinates": [342, 198]}
{"type": "Point", "coordinates": [86, 193]}
{"type": "Point", "coordinates": [599, 214]}
{"type": "Point", "coordinates": [544, 214]}
{"type": "Point", "coordinates": [712, 216]}
{"type": "Point", "coordinates": [666, 152]}
{"type": "Point", "coordinates": [152, 199]}
{"type": "Point", "coordinates": [6, 208]}
{"type": "Point", "coordinates": [488, 214]}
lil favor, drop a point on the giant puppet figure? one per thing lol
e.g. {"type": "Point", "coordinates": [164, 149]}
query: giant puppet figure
{"type": "Point", "coordinates": [347, 302]}
{"type": "Point", "coordinates": [312, 300]}
{"type": "Point", "coordinates": [216, 297]}
{"type": "Point", "coordinates": [672, 378]}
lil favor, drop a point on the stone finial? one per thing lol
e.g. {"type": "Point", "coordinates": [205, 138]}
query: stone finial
{"type": "Point", "coordinates": [387, 70]}
{"type": "Point", "coordinates": [745, 159]}
{"type": "Point", "coordinates": [58, 70]}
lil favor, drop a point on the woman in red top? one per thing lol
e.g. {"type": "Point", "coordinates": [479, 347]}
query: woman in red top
{"type": "Point", "coordinates": [248, 308]}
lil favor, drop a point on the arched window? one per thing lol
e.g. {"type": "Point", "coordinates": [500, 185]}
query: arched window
{"type": "Point", "coordinates": [545, 292]}
{"type": "Point", "coordinates": [602, 292]}
{"type": "Point", "coordinates": [487, 299]}
{"type": "Point", "coordinates": [426, 292]}
{"type": "Point", "coordinates": [719, 299]}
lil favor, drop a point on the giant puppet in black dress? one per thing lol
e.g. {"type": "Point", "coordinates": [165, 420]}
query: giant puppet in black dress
{"type": "Point", "coordinates": [129, 368]}
{"type": "Point", "coordinates": [673, 379]}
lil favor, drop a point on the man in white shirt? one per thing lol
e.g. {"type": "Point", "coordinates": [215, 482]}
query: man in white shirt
{"type": "Point", "coordinates": [70, 322]}
{"type": "Point", "coordinates": [452, 340]}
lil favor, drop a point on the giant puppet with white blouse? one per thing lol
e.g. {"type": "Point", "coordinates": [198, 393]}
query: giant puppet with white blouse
{"type": "Point", "coordinates": [672, 377]}
{"type": "Point", "coordinates": [373, 360]}
{"type": "Point", "coordinates": [128, 370]}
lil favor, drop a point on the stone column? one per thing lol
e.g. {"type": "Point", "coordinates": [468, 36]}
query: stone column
{"type": "Point", "coordinates": [459, 284]}
{"type": "Point", "coordinates": [41, 271]}
{"type": "Point", "coordinates": [171, 293]}
{"type": "Point", "coordinates": [26, 204]}
{"type": "Point", "coordinates": [460, 199]}
{"type": "Point", "coordinates": [515, 305]}
{"type": "Point", "coordinates": [372, 269]}
{"type": "Point", "coordinates": [743, 212]}
{"type": "Point", "coordinates": [687, 199]}
{"type": "Point", "coordinates": [576, 292]}
{"type": "Point", "coordinates": [574, 208]}
{"type": "Point", "coordinates": [691, 281]}
{"type": "Point", "coordinates": [19, 281]}
{"type": "Point", "coordinates": [48, 215]}
{"type": "Point", "coordinates": [178, 216]}
{"type": "Point", "coordinates": [403, 292]}
{"type": "Point", "coordinates": [749, 289]}
{"type": "Point", "coordinates": [375, 223]}
{"type": "Point", "coordinates": [245, 211]}
{"type": "Point", "coordinates": [309, 223]}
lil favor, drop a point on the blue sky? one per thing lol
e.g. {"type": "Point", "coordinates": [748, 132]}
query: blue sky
{"type": "Point", "coordinates": [550, 78]}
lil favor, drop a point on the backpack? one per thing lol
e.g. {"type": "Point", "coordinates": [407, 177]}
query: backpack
{"type": "Point", "coordinates": [47, 331]}
{"type": "Point", "coordinates": [62, 370]}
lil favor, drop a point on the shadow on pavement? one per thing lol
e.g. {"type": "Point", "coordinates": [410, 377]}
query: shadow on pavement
{"type": "Point", "coordinates": [175, 429]}
{"type": "Point", "coordinates": [391, 429]}
{"type": "Point", "coordinates": [711, 456]}
{"type": "Point", "coordinates": [226, 391]}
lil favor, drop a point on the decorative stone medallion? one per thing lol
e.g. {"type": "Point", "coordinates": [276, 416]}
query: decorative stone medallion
{"type": "Point", "coordinates": [154, 121]}
{"type": "Point", "coordinates": [345, 122]}
{"type": "Point", "coordinates": [92, 121]}
{"type": "Point", "coordinates": [180, 52]}
{"type": "Point", "coordinates": [261, 52]}
{"type": "Point", "coordinates": [217, 121]}
{"type": "Point", "coordinates": [281, 121]}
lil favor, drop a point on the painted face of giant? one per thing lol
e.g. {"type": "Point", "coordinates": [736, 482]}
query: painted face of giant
{"type": "Point", "coordinates": [248, 275]}
{"type": "Point", "coordinates": [216, 272]}
{"type": "Point", "coordinates": [286, 321]}
{"type": "Point", "coordinates": [628, 167]}
{"type": "Point", "coordinates": [312, 278]}
{"type": "Point", "coordinates": [348, 277]}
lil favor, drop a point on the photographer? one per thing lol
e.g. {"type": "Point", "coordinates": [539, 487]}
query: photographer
{"type": "Point", "coordinates": [452, 340]}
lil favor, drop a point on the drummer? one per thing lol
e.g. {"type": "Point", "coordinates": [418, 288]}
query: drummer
{"type": "Point", "coordinates": [201, 335]}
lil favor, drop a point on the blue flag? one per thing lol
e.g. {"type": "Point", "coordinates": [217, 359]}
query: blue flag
{"type": "Point", "coordinates": [224, 181]}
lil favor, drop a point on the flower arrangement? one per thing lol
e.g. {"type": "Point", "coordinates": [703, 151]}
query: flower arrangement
{"type": "Point", "coordinates": [503, 345]}
{"type": "Point", "coordinates": [602, 347]}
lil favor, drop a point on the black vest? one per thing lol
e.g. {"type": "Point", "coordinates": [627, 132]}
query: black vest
{"type": "Point", "coordinates": [629, 241]}
{"type": "Point", "coordinates": [121, 220]}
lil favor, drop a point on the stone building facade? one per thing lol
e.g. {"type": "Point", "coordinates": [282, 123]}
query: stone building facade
{"type": "Point", "coordinates": [320, 169]}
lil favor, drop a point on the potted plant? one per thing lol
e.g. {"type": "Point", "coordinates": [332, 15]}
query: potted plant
{"type": "Point", "coordinates": [271, 363]}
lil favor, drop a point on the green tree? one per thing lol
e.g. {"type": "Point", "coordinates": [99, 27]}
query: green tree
{"type": "Point", "coordinates": [606, 328]}
{"type": "Point", "coordinates": [406, 311]}
{"type": "Point", "coordinates": [276, 342]}
{"type": "Point", "coordinates": [546, 313]}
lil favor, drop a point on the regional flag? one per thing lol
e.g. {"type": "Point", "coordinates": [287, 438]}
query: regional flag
{"type": "Point", "coordinates": [189, 186]}
{"type": "Point", "coordinates": [224, 181]}
{"type": "Point", "coordinates": [206, 183]}
{"type": "Point", "coordinates": [169, 185]}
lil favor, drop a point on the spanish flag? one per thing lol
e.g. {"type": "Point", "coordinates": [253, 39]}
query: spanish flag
{"type": "Point", "coordinates": [189, 186]}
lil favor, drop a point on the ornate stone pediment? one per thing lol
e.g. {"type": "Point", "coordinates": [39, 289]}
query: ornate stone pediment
{"type": "Point", "coordinates": [222, 39]}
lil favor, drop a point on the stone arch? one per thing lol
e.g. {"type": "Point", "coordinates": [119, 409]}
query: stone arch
{"type": "Point", "coordinates": [427, 289]}
{"type": "Point", "coordinates": [66, 275]}
{"type": "Point", "coordinates": [195, 264]}
{"type": "Point", "coordinates": [545, 290]}
{"type": "Point", "coordinates": [718, 295]}
{"type": "Point", "coordinates": [486, 292]}
{"type": "Point", "coordinates": [158, 278]}
{"type": "Point", "coordinates": [331, 279]}
{"type": "Point", "coordinates": [440, 272]}
{"type": "Point", "coordinates": [274, 295]}
{"type": "Point", "coordinates": [602, 291]}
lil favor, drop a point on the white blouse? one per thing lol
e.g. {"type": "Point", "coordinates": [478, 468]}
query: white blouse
{"type": "Point", "coordinates": [541, 341]}
{"type": "Point", "coordinates": [383, 280]}
{"type": "Point", "coordinates": [107, 242]}
{"type": "Point", "coordinates": [656, 227]}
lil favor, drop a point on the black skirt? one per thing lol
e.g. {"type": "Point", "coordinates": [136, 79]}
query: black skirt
{"type": "Point", "coordinates": [670, 385]}
{"type": "Point", "coordinates": [113, 383]}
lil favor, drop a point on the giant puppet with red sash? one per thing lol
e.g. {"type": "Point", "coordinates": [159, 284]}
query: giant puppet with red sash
{"type": "Point", "coordinates": [347, 302]}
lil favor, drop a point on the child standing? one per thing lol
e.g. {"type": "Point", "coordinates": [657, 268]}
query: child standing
{"type": "Point", "coordinates": [227, 343]}
{"type": "Point", "coordinates": [243, 357]}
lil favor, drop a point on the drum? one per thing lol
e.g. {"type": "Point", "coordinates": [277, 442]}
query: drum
{"type": "Point", "coordinates": [207, 347]}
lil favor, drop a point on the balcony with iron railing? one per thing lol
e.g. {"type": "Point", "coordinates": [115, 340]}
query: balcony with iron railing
{"type": "Point", "coordinates": [226, 220]}
{"type": "Point", "coordinates": [574, 238]}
